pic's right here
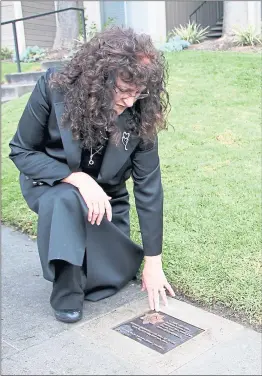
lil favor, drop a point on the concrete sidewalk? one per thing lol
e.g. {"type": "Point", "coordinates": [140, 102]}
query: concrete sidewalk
{"type": "Point", "coordinates": [34, 343]}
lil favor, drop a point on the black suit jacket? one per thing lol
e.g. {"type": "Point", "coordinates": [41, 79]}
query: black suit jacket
{"type": "Point", "coordinates": [45, 152]}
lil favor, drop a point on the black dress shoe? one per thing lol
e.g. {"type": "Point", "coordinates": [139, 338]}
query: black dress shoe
{"type": "Point", "coordinates": [68, 315]}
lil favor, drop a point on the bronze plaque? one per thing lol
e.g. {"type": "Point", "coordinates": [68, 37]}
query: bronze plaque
{"type": "Point", "coordinates": [159, 331]}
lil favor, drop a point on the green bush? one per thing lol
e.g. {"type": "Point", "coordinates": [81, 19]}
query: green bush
{"type": "Point", "coordinates": [90, 33]}
{"type": "Point", "coordinates": [174, 44]}
{"type": "Point", "coordinates": [93, 28]}
{"type": "Point", "coordinates": [6, 53]}
{"type": "Point", "coordinates": [247, 36]}
{"type": "Point", "coordinates": [32, 54]}
{"type": "Point", "coordinates": [192, 32]}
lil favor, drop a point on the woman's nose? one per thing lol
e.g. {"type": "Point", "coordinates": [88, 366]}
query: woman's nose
{"type": "Point", "coordinates": [129, 101]}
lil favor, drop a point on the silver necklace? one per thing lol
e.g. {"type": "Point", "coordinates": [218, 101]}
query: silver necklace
{"type": "Point", "coordinates": [91, 162]}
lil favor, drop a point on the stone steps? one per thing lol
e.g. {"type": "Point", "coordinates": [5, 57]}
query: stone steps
{"type": "Point", "coordinates": [23, 82]}
{"type": "Point", "coordinates": [216, 30]}
{"type": "Point", "coordinates": [16, 90]}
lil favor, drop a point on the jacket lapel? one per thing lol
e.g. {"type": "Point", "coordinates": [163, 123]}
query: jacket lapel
{"type": "Point", "coordinates": [72, 147]}
{"type": "Point", "coordinates": [116, 155]}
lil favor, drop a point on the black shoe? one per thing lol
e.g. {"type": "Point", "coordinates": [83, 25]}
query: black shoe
{"type": "Point", "coordinates": [68, 315]}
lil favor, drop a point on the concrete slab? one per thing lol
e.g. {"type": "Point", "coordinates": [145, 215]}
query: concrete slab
{"type": "Point", "coordinates": [35, 343]}
{"type": "Point", "coordinates": [69, 354]}
{"type": "Point", "coordinates": [7, 349]}
{"type": "Point", "coordinates": [27, 317]}
{"type": "Point", "coordinates": [6, 99]}
{"type": "Point", "coordinates": [217, 330]}
{"type": "Point", "coordinates": [16, 90]}
{"type": "Point", "coordinates": [238, 356]}
{"type": "Point", "coordinates": [23, 77]}
{"type": "Point", "coordinates": [53, 64]}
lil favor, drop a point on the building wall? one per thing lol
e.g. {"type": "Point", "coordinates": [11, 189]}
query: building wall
{"type": "Point", "coordinates": [148, 17]}
{"type": "Point", "coordinates": [137, 15]}
{"type": "Point", "coordinates": [93, 13]}
{"type": "Point", "coordinates": [7, 14]}
{"type": "Point", "coordinates": [142, 16]}
{"type": "Point", "coordinates": [178, 12]}
{"type": "Point", "coordinates": [115, 10]}
{"type": "Point", "coordinates": [157, 21]}
{"type": "Point", "coordinates": [39, 31]}
{"type": "Point", "coordinates": [254, 14]}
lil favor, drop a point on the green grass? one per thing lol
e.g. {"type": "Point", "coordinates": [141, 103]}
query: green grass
{"type": "Point", "coordinates": [211, 171]}
{"type": "Point", "coordinates": [8, 67]}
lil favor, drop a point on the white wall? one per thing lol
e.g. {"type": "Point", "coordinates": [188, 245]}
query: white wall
{"type": "Point", "coordinates": [7, 14]}
{"type": "Point", "coordinates": [157, 21]}
{"type": "Point", "coordinates": [241, 14]}
{"type": "Point", "coordinates": [143, 16]}
{"type": "Point", "coordinates": [92, 11]}
{"type": "Point", "coordinates": [148, 17]}
{"type": "Point", "coordinates": [136, 15]}
{"type": "Point", "coordinates": [254, 14]}
{"type": "Point", "coordinates": [18, 13]}
{"type": "Point", "coordinates": [11, 10]}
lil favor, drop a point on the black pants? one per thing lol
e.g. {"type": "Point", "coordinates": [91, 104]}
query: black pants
{"type": "Point", "coordinates": [68, 286]}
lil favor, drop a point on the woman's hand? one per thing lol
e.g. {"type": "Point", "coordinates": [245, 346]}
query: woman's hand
{"type": "Point", "coordinates": [155, 282]}
{"type": "Point", "coordinates": [94, 196]}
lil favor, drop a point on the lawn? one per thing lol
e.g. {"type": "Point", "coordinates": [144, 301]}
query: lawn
{"type": "Point", "coordinates": [211, 172]}
{"type": "Point", "coordinates": [8, 67]}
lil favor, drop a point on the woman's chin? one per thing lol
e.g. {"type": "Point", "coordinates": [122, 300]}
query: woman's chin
{"type": "Point", "coordinates": [119, 109]}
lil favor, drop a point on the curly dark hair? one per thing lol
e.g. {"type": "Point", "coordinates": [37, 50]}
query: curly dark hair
{"type": "Point", "coordinates": [89, 78]}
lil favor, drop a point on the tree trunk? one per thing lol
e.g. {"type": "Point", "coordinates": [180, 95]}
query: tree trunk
{"type": "Point", "coordinates": [67, 29]}
{"type": "Point", "coordinates": [241, 14]}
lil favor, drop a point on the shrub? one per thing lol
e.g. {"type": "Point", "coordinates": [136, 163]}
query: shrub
{"type": "Point", "coordinates": [32, 54]}
{"type": "Point", "coordinates": [6, 53]}
{"type": "Point", "coordinates": [247, 37]}
{"type": "Point", "coordinates": [92, 29]}
{"type": "Point", "coordinates": [174, 44]}
{"type": "Point", "coordinates": [192, 32]}
{"type": "Point", "coordinates": [90, 33]}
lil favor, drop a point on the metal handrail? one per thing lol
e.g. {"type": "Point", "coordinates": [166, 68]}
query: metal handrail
{"type": "Point", "coordinates": [13, 22]}
{"type": "Point", "coordinates": [200, 6]}
{"type": "Point", "coordinates": [208, 13]}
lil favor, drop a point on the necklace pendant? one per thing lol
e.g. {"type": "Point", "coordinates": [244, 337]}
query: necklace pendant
{"type": "Point", "coordinates": [125, 139]}
{"type": "Point", "coordinates": [91, 162]}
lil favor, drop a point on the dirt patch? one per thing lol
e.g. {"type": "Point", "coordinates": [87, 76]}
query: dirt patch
{"type": "Point", "coordinates": [216, 308]}
{"type": "Point", "coordinates": [224, 44]}
{"type": "Point", "coordinates": [58, 54]}
{"type": "Point", "coordinates": [227, 138]}
{"type": "Point", "coordinates": [216, 166]}
{"type": "Point", "coordinates": [221, 310]}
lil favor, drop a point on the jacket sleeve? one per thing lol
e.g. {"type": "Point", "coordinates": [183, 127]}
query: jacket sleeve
{"type": "Point", "coordinates": [148, 192]}
{"type": "Point", "coordinates": [27, 145]}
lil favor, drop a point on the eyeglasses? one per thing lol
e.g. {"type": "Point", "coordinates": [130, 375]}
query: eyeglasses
{"type": "Point", "coordinates": [137, 96]}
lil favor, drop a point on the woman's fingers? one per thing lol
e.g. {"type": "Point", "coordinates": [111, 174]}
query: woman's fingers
{"type": "Point", "coordinates": [169, 289]}
{"type": "Point", "coordinates": [153, 296]}
{"type": "Point", "coordinates": [108, 209]}
{"type": "Point", "coordinates": [101, 205]}
{"type": "Point", "coordinates": [96, 211]}
{"type": "Point", "coordinates": [151, 299]}
{"type": "Point", "coordinates": [90, 210]}
{"type": "Point", "coordinates": [156, 300]}
{"type": "Point", "coordinates": [163, 296]}
{"type": "Point", "coordinates": [143, 287]}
